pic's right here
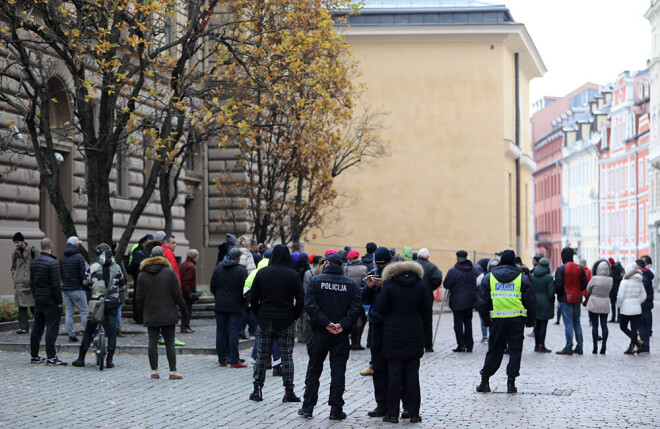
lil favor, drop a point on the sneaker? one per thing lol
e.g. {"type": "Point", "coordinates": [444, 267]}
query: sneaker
{"type": "Point", "coordinates": [55, 362]}
{"type": "Point", "coordinates": [238, 365]}
{"type": "Point", "coordinates": [179, 343]}
{"type": "Point", "coordinates": [22, 331]}
{"type": "Point", "coordinates": [37, 359]}
{"type": "Point", "coordinates": [368, 371]}
{"type": "Point", "coordinates": [155, 375]}
{"type": "Point", "coordinates": [161, 341]}
{"type": "Point", "coordinates": [175, 375]}
{"type": "Point", "coordinates": [484, 340]}
{"type": "Point", "coordinates": [73, 339]}
{"type": "Point", "coordinates": [531, 334]}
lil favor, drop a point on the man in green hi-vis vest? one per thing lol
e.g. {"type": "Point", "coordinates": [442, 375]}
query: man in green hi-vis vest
{"type": "Point", "coordinates": [506, 301]}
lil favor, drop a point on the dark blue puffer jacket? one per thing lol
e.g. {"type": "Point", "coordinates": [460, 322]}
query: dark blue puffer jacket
{"type": "Point", "coordinates": [72, 268]}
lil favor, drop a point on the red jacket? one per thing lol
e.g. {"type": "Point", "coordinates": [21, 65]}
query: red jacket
{"type": "Point", "coordinates": [169, 255]}
{"type": "Point", "coordinates": [572, 282]}
{"type": "Point", "coordinates": [188, 276]}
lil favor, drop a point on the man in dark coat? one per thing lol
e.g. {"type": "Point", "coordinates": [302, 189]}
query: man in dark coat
{"type": "Point", "coordinates": [432, 281]}
{"type": "Point", "coordinates": [72, 270]}
{"type": "Point", "coordinates": [276, 298]}
{"type": "Point", "coordinates": [47, 291]}
{"type": "Point", "coordinates": [507, 303]}
{"type": "Point", "coordinates": [227, 286]}
{"type": "Point", "coordinates": [647, 306]}
{"type": "Point", "coordinates": [617, 276]}
{"type": "Point", "coordinates": [230, 242]}
{"type": "Point", "coordinates": [370, 293]}
{"type": "Point", "coordinates": [403, 304]}
{"type": "Point", "coordinates": [368, 258]}
{"type": "Point", "coordinates": [333, 304]}
{"type": "Point", "coordinates": [461, 281]}
{"type": "Point", "coordinates": [138, 254]}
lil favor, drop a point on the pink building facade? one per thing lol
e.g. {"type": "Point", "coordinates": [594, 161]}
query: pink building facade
{"type": "Point", "coordinates": [624, 185]}
{"type": "Point", "coordinates": [549, 137]}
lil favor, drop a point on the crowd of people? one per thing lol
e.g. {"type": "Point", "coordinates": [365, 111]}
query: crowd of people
{"type": "Point", "coordinates": [326, 301]}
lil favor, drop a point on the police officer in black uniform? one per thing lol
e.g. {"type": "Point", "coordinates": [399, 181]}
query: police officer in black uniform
{"type": "Point", "coordinates": [507, 302]}
{"type": "Point", "coordinates": [333, 304]}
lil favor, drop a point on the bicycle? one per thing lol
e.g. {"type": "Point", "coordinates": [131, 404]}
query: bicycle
{"type": "Point", "coordinates": [100, 344]}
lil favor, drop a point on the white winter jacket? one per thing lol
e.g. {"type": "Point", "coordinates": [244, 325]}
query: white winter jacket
{"type": "Point", "coordinates": [631, 292]}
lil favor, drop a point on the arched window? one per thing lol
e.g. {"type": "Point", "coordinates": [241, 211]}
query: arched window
{"type": "Point", "coordinates": [58, 104]}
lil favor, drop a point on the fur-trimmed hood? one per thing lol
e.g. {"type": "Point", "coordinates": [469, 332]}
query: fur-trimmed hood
{"type": "Point", "coordinates": [632, 270]}
{"type": "Point", "coordinates": [154, 264]}
{"type": "Point", "coordinates": [398, 268]}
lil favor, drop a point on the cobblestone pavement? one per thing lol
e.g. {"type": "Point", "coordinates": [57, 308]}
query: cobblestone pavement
{"type": "Point", "coordinates": [613, 390]}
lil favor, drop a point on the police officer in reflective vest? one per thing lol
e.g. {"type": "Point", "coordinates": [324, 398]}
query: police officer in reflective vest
{"type": "Point", "coordinates": [507, 303]}
{"type": "Point", "coordinates": [333, 304]}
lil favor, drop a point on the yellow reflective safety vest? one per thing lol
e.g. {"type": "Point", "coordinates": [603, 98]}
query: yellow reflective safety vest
{"type": "Point", "coordinates": [507, 298]}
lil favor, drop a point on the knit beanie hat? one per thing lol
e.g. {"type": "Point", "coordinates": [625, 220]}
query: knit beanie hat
{"type": "Point", "coordinates": [371, 247]}
{"type": "Point", "coordinates": [544, 262]}
{"type": "Point", "coordinates": [508, 257]}
{"type": "Point", "coordinates": [382, 255]}
{"type": "Point", "coordinates": [157, 251]}
{"type": "Point", "coordinates": [18, 237]}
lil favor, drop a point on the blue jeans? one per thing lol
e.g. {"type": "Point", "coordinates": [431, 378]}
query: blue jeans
{"type": "Point", "coordinates": [119, 316]}
{"type": "Point", "coordinates": [227, 327]}
{"type": "Point", "coordinates": [77, 298]}
{"type": "Point", "coordinates": [277, 357]}
{"type": "Point", "coordinates": [571, 315]}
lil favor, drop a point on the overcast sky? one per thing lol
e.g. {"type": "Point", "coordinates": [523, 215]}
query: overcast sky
{"type": "Point", "coordinates": [584, 40]}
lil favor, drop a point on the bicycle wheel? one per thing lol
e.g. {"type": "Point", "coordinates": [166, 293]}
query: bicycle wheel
{"type": "Point", "coordinates": [102, 350]}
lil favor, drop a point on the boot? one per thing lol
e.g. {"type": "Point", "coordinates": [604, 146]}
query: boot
{"type": "Point", "coordinates": [630, 351]}
{"type": "Point", "coordinates": [256, 393]}
{"type": "Point", "coordinates": [289, 395]}
{"type": "Point", "coordinates": [640, 343]}
{"type": "Point", "coordinates": [80, 362]}
{"type": "Point", "coordinates": [603, 348]}
{"type": "Point", "coordinates": [277, 370]}
{"type": "Point", "coordinates": [595, 350]}
{"type": "Point", "coordinates": [484, 387]}
{"type": "Point", "coordinates": [108, 360]}
{"type": "Point", "coordinates": [511, 385]}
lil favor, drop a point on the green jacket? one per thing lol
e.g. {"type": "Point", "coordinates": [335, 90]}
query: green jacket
{"type": "Point", "coordinates": [250, 279]}
{"type": "Point", "coordinates": [407, 253]}
{"type": "Point", "coordinates": [544, 286]}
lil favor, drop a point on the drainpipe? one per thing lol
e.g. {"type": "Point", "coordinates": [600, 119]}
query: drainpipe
{"type": "Point", "coordinates": [518, 143]}
{"type": "Point", "coordinates": [636, 201]}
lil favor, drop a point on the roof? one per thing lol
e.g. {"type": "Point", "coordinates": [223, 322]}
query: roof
{"type": "Point", "coordinates": [435, 12]}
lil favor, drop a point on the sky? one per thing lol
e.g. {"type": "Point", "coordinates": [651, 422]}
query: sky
{"type": "Point", "coordinates": [584, 40]}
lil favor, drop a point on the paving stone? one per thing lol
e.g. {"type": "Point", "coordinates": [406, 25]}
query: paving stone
{"type": "Point", "coordinates": [610, 391]}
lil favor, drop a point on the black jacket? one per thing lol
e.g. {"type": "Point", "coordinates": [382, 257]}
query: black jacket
{"type": "Point", "coordinates": [222, 251]}
{"type": "Point", "coordinates": [333, 298]}
{"type": "Point", "coordinates": [227, 284]}
{"type": "Point", "coordinates": [461, 280]}
{"type": "Point", "coordinates": [72, 268]}
{"type": "Point", "coordinates": [617, 276]}
{"type": "Point", "coordinates": [432, 276]}
{"type": "Point", "coordinates": [647, 281]}
{"type": "Point", "coordinates": [370, 297]}
{"type": "Point", "coordinates": [368, 261]}
{"type": "Point", "coordinates": [139, 254]}
{"type": "Point", "coordinates": [45, 277]}
{"type": "Point", "coordinates": [403, 303]}
{"type": "Point", "coordinates": [505, 273]}
{"type": "Point", "coordinates": [277, 294]}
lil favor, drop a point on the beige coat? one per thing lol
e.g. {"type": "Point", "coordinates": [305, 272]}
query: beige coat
{"type": "Point", "coordinates": [21, 260]}
{"type": "Point", "coordinates": [599, 288]}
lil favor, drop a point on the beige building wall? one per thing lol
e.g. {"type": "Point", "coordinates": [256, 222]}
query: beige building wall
{"type": "Point", "coordinates": [449, 181]}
